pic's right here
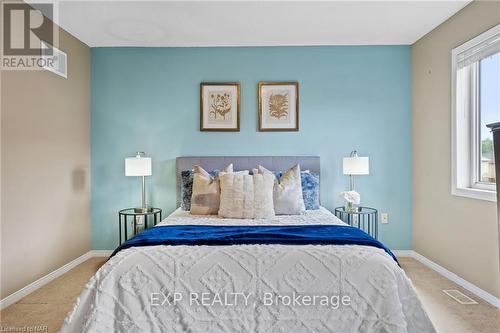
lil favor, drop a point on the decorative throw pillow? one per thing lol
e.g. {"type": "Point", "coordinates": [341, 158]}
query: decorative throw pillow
{"type": "Point", "coordinates": [310, 189]}
{"type": "Point", "coordinates": [287, 194]}
{"type": "Point", "coordinates": [246, 196]}
{"type": "Point", "coordinates": [186, 188]}
{"type": "Point", "coordinates": [205, 195]}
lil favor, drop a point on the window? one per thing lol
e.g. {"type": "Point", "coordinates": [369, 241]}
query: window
{"type": "Point", "coordinates": [489, 112]}
{"type": "Point", "coordinates": [475, 103]}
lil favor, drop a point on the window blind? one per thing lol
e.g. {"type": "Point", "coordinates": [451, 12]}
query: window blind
{"type": "Point", "coordinates": [479, 51]}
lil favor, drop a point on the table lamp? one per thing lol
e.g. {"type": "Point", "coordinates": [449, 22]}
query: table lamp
{"type": "Point", "coordinates": [355, 165]}
{"type": "Point", "coordinates": [139, 166]}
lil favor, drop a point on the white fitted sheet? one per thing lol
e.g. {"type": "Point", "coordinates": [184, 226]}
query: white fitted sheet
{"type": "Point", "coordinates": [319, 216]}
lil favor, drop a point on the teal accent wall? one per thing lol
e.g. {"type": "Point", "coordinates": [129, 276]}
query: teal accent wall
{"type": "Point", "coordinates": [351, 97]}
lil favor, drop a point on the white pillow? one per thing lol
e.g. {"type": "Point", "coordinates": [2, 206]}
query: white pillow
{"type": "Point", "coordinates": [246, 196]}
{"type": "Point", "coordinates": [287, 194]}
{"type": "Point", "coordinates": [206, 192]}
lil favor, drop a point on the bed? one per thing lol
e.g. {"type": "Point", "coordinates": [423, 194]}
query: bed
{"type": "Point", "coordinates": [300, 273]}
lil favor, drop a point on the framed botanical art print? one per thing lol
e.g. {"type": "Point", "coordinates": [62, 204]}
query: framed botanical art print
{"type": "Point", "coordinates": [278, 106]}
{"type": "Point", "coordinates": [219, 106]}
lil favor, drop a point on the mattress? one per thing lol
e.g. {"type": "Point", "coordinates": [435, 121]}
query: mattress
{"type": "Point", "coordinates": [249, 288]}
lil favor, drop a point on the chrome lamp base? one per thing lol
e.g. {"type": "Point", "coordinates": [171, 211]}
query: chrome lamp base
{"type": "Point", "coordinates": [141, 210]}
{"type": "Point", "coordinates": [144, 207]}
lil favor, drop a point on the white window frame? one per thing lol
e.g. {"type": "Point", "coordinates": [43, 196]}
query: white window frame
{"type": "Point", "coordinates": [465, 135]}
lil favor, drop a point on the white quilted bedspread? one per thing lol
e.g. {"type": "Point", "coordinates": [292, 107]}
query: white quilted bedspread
{"type": "Point", "coordinates": [138, 290]}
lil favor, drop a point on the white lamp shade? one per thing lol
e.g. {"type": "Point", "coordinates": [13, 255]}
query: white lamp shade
{"type": "Point", "coordinates": [356, 165]}
{"type": "Point", "coordinates": [138, 166]}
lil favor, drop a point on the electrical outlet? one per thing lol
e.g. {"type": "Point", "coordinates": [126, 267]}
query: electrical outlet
{"type": "Point", "coordinates": [384, 218]}
{"type": "Point", "coordinates": [140, 220]}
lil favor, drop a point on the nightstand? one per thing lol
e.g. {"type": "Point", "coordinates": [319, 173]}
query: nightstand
{"type": "Point", "coordinates": [364, 218]}
{"type": "Point", "coordinates": [135, 214]}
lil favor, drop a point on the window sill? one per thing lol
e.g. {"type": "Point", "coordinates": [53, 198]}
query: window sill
{"type": "Point", "coordinates": [475, 193]}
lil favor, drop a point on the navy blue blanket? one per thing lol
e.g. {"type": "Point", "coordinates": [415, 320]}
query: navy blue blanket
{"type": "Point", "coordinates": [260, 234]}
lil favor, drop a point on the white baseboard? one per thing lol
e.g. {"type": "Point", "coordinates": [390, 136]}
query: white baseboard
{"type": "Point", "coordinates": [16, 296]}
{"type": "Point", "coordinates": [486, 296]}
{"type": "Point", "coordinates": [403, 253]}
{"type": "Point", "coordinates": [100, 253]}
{"type": "Point", "coordinates": [11, 299]}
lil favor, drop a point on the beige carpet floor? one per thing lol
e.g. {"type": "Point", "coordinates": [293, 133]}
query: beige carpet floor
{"type": "Point", "coordinates": [49, 305]}
{"type": "Point", "coordinates": [448, 315]}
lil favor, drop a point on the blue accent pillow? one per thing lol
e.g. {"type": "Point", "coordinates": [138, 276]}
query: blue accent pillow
{"type": "Point", "coordinates": [187, 187]}
{"type": "Point", "coordinates": [310, 189]}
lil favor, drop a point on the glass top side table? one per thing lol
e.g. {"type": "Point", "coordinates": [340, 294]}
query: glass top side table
{"type": "Point", "coordinates": [364, 218]}
{"type": "Point", "coordinates": [135, 214]}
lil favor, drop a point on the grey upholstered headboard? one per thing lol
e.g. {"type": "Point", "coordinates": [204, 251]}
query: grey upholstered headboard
{"type": "Point", "coordinates": [244, 163]}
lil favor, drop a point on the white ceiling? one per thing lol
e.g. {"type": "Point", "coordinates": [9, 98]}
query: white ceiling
{"type": "Point", "coordinates": [252, 23]}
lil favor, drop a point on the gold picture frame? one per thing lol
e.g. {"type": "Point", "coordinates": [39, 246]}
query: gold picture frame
{"type": "Point", "coordinates": [220, 106]}
{"type": "Point", "coordinates": [278, 106]}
